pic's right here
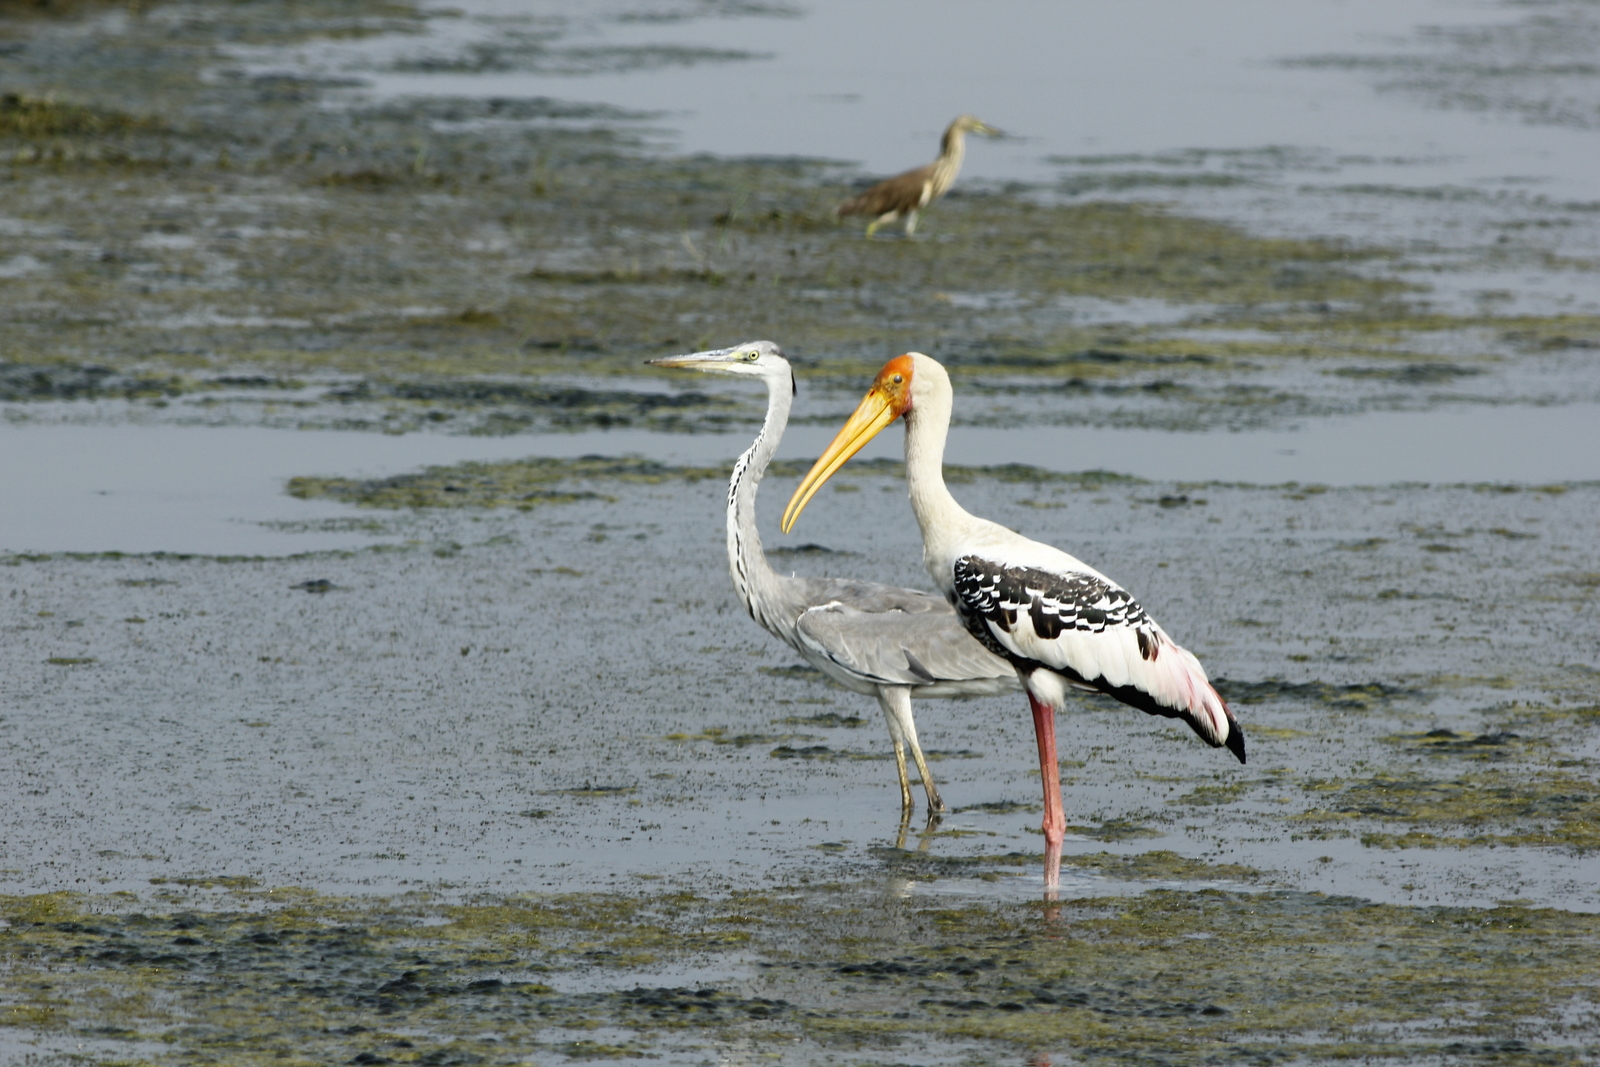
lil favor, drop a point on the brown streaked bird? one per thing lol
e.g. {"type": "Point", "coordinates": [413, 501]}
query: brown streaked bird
{"type": "Point", "coordinates": [906, 194]}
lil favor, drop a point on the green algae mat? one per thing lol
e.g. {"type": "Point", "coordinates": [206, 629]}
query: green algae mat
{"type": "Point", "coordinates": [866, 972]}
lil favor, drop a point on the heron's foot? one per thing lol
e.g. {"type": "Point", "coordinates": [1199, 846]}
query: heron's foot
{"type": "Point", "coordinates": [906, 803]}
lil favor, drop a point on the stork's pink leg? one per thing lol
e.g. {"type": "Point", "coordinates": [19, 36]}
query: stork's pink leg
{"type": "Point", "coordinates": [1055, 817]}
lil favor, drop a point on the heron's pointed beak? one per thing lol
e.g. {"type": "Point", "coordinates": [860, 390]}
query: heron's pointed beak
{"type": "Point", "coordinates": [715, 357]}
{"type": "Point", "coordinates": [875, 411]}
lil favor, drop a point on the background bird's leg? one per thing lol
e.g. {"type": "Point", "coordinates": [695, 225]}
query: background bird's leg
{"type": "Point", "coordinates": [1055, 819]}
{"type": "Point", "coordinates": [911, 222]}
{"type": "Point", "coordinates": [896, 701]}
{"type": "Point", "coordinates": [899, 718]}
{"type": "Point", "coordinates": [882, 220]}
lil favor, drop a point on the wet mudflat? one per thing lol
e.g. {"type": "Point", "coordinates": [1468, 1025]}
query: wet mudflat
{"type": "Point", "coordinates": [382, 782]}
{"type": "Point", "coordinates": [508, 777]}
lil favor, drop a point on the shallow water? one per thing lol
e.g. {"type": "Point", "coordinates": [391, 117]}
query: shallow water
{"type": "Point", "coordinates": [1432, 125]}
{"type": "Point", "coordinates": [219, 490]}
{"type": "Point", "coordinates": [466, 711]}
{"type": "Point", "coordinates": [826, 80]}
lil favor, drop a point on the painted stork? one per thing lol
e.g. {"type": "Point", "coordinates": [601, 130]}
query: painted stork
{"type": "Point", "coordinates": [879, 640]}
{"type": "Point", "coordinates": [906, 194]}
{"type": "Point", "coordinates": [1060, 622]}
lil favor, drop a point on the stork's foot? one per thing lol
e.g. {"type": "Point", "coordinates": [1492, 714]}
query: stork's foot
{"type": "Point", "coordinates": [1055, 819]}
{"type": "Point", "coordinates": [1052, 866]}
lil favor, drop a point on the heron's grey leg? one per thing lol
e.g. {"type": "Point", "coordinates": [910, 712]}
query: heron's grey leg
{"type": "Point", "coordinates": [897, 735]}
{"type": "Point", "coordinates": [896, 702]}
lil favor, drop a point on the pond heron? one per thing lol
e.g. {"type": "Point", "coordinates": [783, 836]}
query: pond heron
{"type": "Point", "coordinates": [906, 194]}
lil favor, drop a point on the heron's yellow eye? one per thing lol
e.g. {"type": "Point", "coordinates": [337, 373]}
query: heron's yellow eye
{"type": "Point", "coordinates": [752, 356]}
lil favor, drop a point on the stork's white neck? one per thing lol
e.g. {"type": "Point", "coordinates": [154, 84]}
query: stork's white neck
{"type": "Point", "coordinates": [944, 522]}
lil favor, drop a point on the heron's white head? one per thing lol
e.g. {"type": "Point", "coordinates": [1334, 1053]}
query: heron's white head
{"type": "Point", "coordinates": [905, 383]}
{"type": "Point", "coordinates": [753, 359]}
{"type": "Point", "coordinates": [973, 124]}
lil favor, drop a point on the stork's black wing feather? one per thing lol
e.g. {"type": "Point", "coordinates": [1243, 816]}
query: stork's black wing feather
{"type": "Point", "coordinates": [1092, 633]}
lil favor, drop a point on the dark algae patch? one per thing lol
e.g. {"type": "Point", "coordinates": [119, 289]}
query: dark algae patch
{"type": "Point", "coordinates": [847, 973]}
{"type": "Point", "coordinates": [1553, 809]}
{"type": "Point", "coordinates": [520, 484]}
{"type": "Point", "coordinates": [519, 406]}
{"type": "Point", "coordinates": [1353, 696]}
{"type": "Point", "coordinates": [527, 483]}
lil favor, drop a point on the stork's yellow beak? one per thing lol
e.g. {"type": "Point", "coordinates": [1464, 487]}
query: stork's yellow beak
{"type": "Point", "coordinates": [876, 410]}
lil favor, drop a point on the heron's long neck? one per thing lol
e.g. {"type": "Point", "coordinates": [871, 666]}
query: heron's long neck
{"type": "Point", "coordinates": [941, 518]}
{"type": "Point", "coordinates": [951, 153]}
{"type": "Point", "coordinates": [747, 562]}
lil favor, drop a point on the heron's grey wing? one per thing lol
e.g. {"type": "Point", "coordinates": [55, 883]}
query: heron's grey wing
{"type": "Point", "coordinates": [871, 596]}
{"type": "Point", "coordinates": [895, 647]}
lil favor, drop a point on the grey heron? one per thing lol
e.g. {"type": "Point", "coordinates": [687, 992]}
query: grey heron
{"type": "Point", "coordinates": [906, 194]}
{"type": "Point", "coordinates": [1061, 623]}
{"type": "Point", "coordinates": [879, 640]}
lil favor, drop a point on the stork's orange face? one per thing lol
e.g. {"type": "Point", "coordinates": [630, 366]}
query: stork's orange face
{"type": "Point", "coordinates": [887, 400]}
{"type": "Point", "coordinates": [893, 383]}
